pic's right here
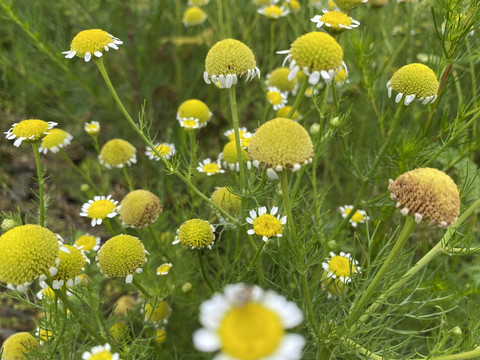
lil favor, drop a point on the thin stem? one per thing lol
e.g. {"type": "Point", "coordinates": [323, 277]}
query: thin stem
{"type": "Point", "coordinates": [204, 273]}
{"type": "Point", "coordinates": [233, 106]}
{"type": "Point", "coordinates": [109, 227]}
{"type": "Point", "coordinates": [298, 98]}
{"type": "Point", "coordinates": [94, 305]}
{"type": "Point", "coordinates": [308, 303]}
{"type": "Point", "coordinates": [157, 242]}
{"type": "Point", "coordinates": [252, 262]}
{"type": "Point", "coordinates": [80, 171]}
{"type": "Point", "coordinates": [41, 204]}
{"type": "Point", "coordinates": [127, 178]}
{"type": "Point", "coordinates": [103, 71]}
{"type": "Point", "coordinates": [141, 288]}
{"type": "Point", "coordinates": [472, 354]}
{"type": "Point", "coordinates": [288, 208]}
{"type": "Point", "coordinates": [394, 253]}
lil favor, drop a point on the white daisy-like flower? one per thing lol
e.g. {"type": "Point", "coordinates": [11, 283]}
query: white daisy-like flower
{"type": "Point", "coordinates": [266, 225]}
{"type": "Point", "coordinates": [189, 123]}
{"type": "Point", "coordinates": [242, 132]}
{"type": "Point", "coordinates": [91, 42]}
{"type": "Point", "coordinates": [100, 208]}
{"type": "Point", "coordinates": [166, 149]}
{"type": "Point", "coordinates": [101, 352]}
{"type": "Point", "coordinates": [335, 21]}
{"type": "Point", "coordinates": [210, 168]}
{"type": "Point", "coordinates": [88, 242]}
{"type": "Point", "coordinates": [246, 322]}
{"type": "Point", "coordinates": [164, 269]}
{"type": "Point", "coordinates": [359, 217]}
{"type": "Point", "coordinates": [29, 131]}
{"type": "Point", "coordinates": [55, 140]}
{"type": "Point", "coordinates": [92, 127]}
{"type": "Point", "coordinates": [277, 98]}
{"type": "Point", "coordinates": [340, 267]}
{"type": "Point", "coordinates": [274, 11]}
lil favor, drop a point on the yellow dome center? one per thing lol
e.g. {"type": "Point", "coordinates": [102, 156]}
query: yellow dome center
{"type": "Point", "coordinates": [70, 264]}
{"type": "Point", "coordinates": [415, 79]}
{"type": "Point", "coordinates": [335, 19]}
{"type": "Point", "coordinates": [90, 41]}
{"type": "Point", "coordinates": [230, 153]}
{"type": "Point", "coordinates": [250, 332]}
{"type": "Point", "coordinates": [196, 233]}
{"type": "Point", "coordinates": [273, 11]}
{"type": "Point", "coordinates": [357, 217]}
{"type": "Point", "coordinates": [55, 138]}
{"type": "Point", "coordinates": [103, 355]}
{"type": "Point", "coordinates": [117, 152]}
{"type": "Point", "coordinates": [229, 56]}
{"type": "Point", "coordinates": [211, 168]}
{"type": "Point", "coordinates": [194, 16]}
{"type": "Point", "coordinates": [317, 51]}
{"type": "Point", "coordinates": [87, 242]}
{"type": "Point", "coordinates": [341, 266]}
{"type": "Point", "coordinates": [267, 225]}
{"type": "Point", "coordinates": [163, 149]}
{"type": "Point", "coordinates": [121, 255]}
{"type": "Point", "coordinates": [274, 97]}
{"type": "Point", "coordinates": [99, 209]}
{"type": "Point", "coordinates": [33, 129]}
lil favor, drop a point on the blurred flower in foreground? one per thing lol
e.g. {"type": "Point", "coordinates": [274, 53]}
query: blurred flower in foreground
{"type": "Point", "coordinates": [359, 217]}
{"type": "Point", "coordinates": [427, 194]}
{"type": "Point", "coordinates": [100, 353]}
{"type": "Point", "coordinates": [317, 54]}
{"type": "Point", "coordinates": [228, 60]}
{"type": "Point", "coordinates": [30, 130]}
{"type": "Point", "coordinates": [338, 271]}
{"type": "Point", "coordinates": [55, 140]}
{"type": "Point", "coordinates": [194, 16]}
{"type": "Point", "coordinates": [99, 209]}
{"type": "Point", "coordinates": [266, 225]}
{"type": "Point", "coordinates": [335, 21]}
{"type": "Point", "coordinates": [91, 42]}
{"type": "Point", "coordinates": [248, 323]}
{"type": "Point", "coordinates": [414, 81]}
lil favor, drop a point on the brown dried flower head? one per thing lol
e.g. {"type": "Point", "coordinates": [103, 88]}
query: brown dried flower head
{"type": "Point", "coordinates": [428, 194]}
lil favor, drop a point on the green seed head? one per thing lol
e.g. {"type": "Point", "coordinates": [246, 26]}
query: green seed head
{"type": "Point", "coordinates": [140, 208]}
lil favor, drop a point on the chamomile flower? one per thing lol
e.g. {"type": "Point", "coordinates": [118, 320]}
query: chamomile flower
{"type": "Point", "coordinates": [164, 269]}
{"type": "Point", "coordinates": [30, 130]}
{"type": "Point", "coordinates": [427, 194]}
{"type": "Point", "coordinates": [274, 11]}
{"type": "Point", "coordinates": [359, 217]}
{"type": "Point", "coordinates": [71, 264]}
{"type": "Point", "coordinates": [193, 114]}
{"type": "Point", "coordinates": [317, 54]}
{"type": "Point", "coordinates": [91, 42]}
{"type": "Point", "coordinates": [195, 234]}
{"type": "Point", "coordinates": [276, 98]}
{"type": "Point", "coordinates": [92, 127]}
{"type": "Point", "coordinates": [226, 200]}
{"type": "Point", "coordinates": [43, 335]}
{"type": "Point", "coordinates": [349, 5]}
{"type": "Point", "coordinates": [55, 140]}
{"type": "Point", "coordinates": [165, 149]}
{"type": "Point", "coordinates": [294, 5]}
{"type": "Point", "coordinates": [88, 242]}
{"type": "Point", "coordinates": [229, 60]}
{"type": "Point", "coordinates": [28, 252]}
{"type": "Point", "coordinates": [117, 153]}
{"type": "Point", "coordinates": [157, 312]}
{"type": "Point", "coordinates": [210, 168]}
{"type": "Point", "coordinates": [242, 132]}
{"type": "Point", "coordinates": [194, 16]}
{"type": "Point", "coordinates": [248, 323]}
{"type": "Point", "coordinates": [17, 345]}
{"type": "Point", "coordinates": [229, 157]}
{"type": "Point", "coordinates": [335, 21]}
{"type": "Point", "coordinates": [414, 81]}
{"type": "Point", "coordinates": [266, 225]}
{"type": "Point", "coordinates": [281, 144]}
{"type": "Point", "coordinates": [121, 257]}
{"type": "Point", "coordinates": [338, 271]}
{"type": "Point", "coordinates": [99, 209]}
{"type": "Point", "coordinates": [101, 352]}
{"type": "Point", "coordinates": [139, 208]}
{"type": "Point", "coordinates": [279, 78]}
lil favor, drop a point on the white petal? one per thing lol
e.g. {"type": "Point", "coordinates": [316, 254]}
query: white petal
{"type": "Point", "coordinates": [113, 46]}
{"type": "Point", "coordinates": [274, 210]}
{"type": "Point", "coordinates": [250, 232]}
{"type": "Point", "coordinates": [229, 81]}
{"type": "Point", "coordinates": [289, 349]}
{"type": "Point", "coordinates": [398, 97]}
{"type": "Point", "coordinates": [262, 210]}
{"type": "Point", "coordinates": [253, 214]}
{"type": "Point", "coordinates": [206, 77]}
{"type": "Point", "coordinates": [205, 340]}
{"type": "Point", "coordinates": [272, 174]}
{"type": "Point", "coordinates": [129, 278]}
{"type": "Point", "coordinates": [288, 311]}
{"type": "Point", "coordinates": [88, 56]}
{"type": "Point", "coordinates": [221, 78]}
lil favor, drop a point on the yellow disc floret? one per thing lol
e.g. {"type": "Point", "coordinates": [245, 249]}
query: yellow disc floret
{"type": "Point", "coordinates": [70, 267]}
{"type": "Point", "coordinates": [18, 345]}
{"type": "Point", "coordinates": [117, 153]}
{"type": "Point", "coordinates": [316, 51]}
{"type": "Point", "coordinates": [281, 143]}
{"type": "Point", "coordinates": [229, 154]}
{"type": "Point", "coordinates": [250, 332]}
{"type": "Point", "coordinates": [121, 256]}
{"type": "Point", "coordinates": [90, 41]}
{"type": "Point", "coordinates": [194, 16]}
{"type": "Point", "coordinates": [194, 109]}
{"type": "Point", "coordinates": [428, 194]}
{"type": "Point", "coordinates": [226, 200]}
{"type": "Point", "coordinates": [415, 79]}
{"type": "Point", "coordinates": [140, 208]}
{"type": "Point", "coordinates": [267, 225]}
{"type": "Point", "coordinates": [337, 20]}
{"type": "Point", "coordinates": [28, 251]}
{"type": "Point", "coordinates": [195, 234]}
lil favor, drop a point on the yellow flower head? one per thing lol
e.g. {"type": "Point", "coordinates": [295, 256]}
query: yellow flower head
{"type": "Point", "coordinates": [428, 194]}
{"type": "Point", "coordinates": [101, 352]}
{"type": "Point", "coordinates": [242, 132]}
{"type": "Point", "coordinates": [122, 256]}
{"type": "Point", "coordinates": [210, 167]}
{"type": "Point", "coordinates": [198, 2]}
{"type": "Point", "coordinates": [118, 331]}
{"type": "Point", "coordinates": [283, 112]}
{"type": "Point", "coordinates": [193, 113]}
{"type": "Point", "coordinates": [165, 149]}
{"type": "Point", "coordinates": [276, 98]}
{"type": "Point", "coordinates": [228, 60]}
{"type": "Point", "coordinates": [266, 224]}
{"type": "Point", "coordinates": [279, 144]}
{"type": "Point", "coordinates": [55, 140]}
{"type": "Point", "coordinates": [71, 265]}
{"type": "Point", "coordinates": [230, 159]}
{"type": "Point", "coordinates": [99, 209]}
{"type": "Point", "coordinates": [335, 22]}
{"type": "Point", "coordinates": [28, 252]}
{"type": "Point", "coordinates": [44, 335]}
{"type": "Point", "coordinates": [157, 312]}
{"type": "Point", "coordinates": [359, 217]}
{"type": "Point", "coordinates": [248, 323]}
{"type": "Point", "coordinates": [279, 79]}
{"type": "Point", "coordinates": [88, 242]}
{"type": "Point", "coordinates": [194, 16]}
{"type": "Point", "coordinates": [195, 234]}
{"type": "Point", "coordinates": [117, 153]}
{"type": "Point", "coordinates": [348, 5]}
{"type": "Point", "coordinates": [414, 81]}
{"type": "Point", "coordinates": [29, 131]}
{"type": "Point", "coordinates": [226, 200]}
{"type": "Point", "coordinates": [92, 128]}
{"type": "Point", "coordinates": [91, 42]}
{"type": "Point", "coordinates": [18, 345]}
{"type": "Point", "coordinates": [294, 5]}
{"type": "Point", "coordinates": [338, 271]}
{"type": "Point", "coordinates": [140, 208]}
{"type": "Point", "coordinates": [274, 11]}
{"type": "Point", "coordinates": [164, 269]}
{"type": "Point", "coordinates": [160, 336]}
{"type": "Point", "coordinates": [317, 54]}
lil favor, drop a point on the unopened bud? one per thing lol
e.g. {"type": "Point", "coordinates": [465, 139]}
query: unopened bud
{"type": "Point", "coordinates": [8, 224]}
{"type": "Point", "coordinates": [187, 287]}
{"type": "Point", "coordinates": [315, 129]}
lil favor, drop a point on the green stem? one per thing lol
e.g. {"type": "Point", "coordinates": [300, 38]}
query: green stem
{"type": "Point", "coordinates": [141, 288]}
{"type": "Point", "coordinates": [80, 171]}
{"type": "Point", "coordinates": [103, 71]}
{"type": "Point", "coordinates": [94, 307]}
{"type": "Point", "coordinates": [94, 333]}
{"type": "Point", "coordinates": [157, 242]}
{"type": "Point", "coordinates": [298, 98]}
{"type": "Point", "coordinates": [394, 253]}
{"type": "Point", "coordinates": [204, 272]}
{"type": "Point", "coordinates": [41, 204]}
{"type": "Point", "coordinates": [127, 178]}
{"type": "Point", "coordinates": [252, 262]}
{"type": "Point", "coordinates": [109, 227]}
{"type": "Point", "coordinates": [308, 303]}
{"type": "Point", "coordinates": [472, 354]}
{"type": "Point", "coordinates": [233, 106]}
{"type": "Point", "coordinates": [288, 207]}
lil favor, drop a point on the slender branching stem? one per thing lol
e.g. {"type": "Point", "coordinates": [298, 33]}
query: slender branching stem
{"type": "Point", "coordinates": [41, 181]}
{"type": "Point", "coordinates": [204, 272]}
